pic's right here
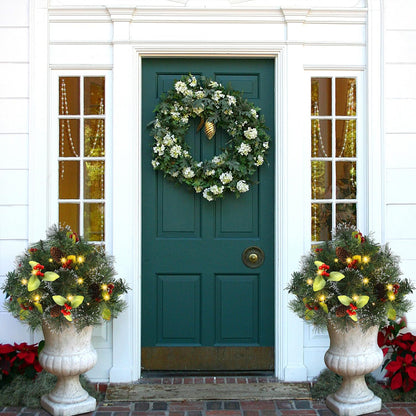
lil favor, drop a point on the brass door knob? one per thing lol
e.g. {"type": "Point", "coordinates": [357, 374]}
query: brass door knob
{"type": "Point", "coordinates": [253, 257]}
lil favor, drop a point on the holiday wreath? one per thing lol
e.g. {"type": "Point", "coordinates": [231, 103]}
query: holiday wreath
{"type": "Point", "coordinates": [217, 107]}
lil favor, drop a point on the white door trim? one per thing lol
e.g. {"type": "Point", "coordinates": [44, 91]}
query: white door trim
{"type": "Point", "coordinates": [127, 203]}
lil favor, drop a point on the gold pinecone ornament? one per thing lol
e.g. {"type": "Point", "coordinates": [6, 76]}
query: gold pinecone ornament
{"type": "Point", "coordinates": [209, 129]}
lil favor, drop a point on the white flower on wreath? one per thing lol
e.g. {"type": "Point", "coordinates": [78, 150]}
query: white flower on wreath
{"type": "Point", "coordinates": [259, 160]}
{"type": "Point", "coordinates": [192, 81]}
{"type": "Point", "coordinates": [186, 154]}
{"type": "Point", "coordinates": [159, 149]}
{"type": "Point", "coordinates": [217, 95]}
{"type": "Point", "coordinates": [216, 190]}
{"type": "Point", "coordinates": [184, 120]}
{"type": "Point", "coordinates": [210, 172]}
{"type": "Point", "coordinates": [168, 140]}
{"type": "Point", "coordinates": [242, 186]}
{"type": "Point", "coordinates": [228, 111]}
{"type": "Point", "coordinates": [199, 94]}
{"type": "Point", "coordinates": [198, 189]}
{"type": "Point", "coordinates": [181, 87]}
{"type": "Point", "coordinates": [157, 124]}
{"type": "Point", "coordinates": [175, 115]}
{"type": "Point", "coordinates": [226, 177]}
{"type": "Point", "coordinates": [174, 174]}
{"type": "Point", "coordinates": [213, 84]}
{"type": "Point", "coordinates": [244, 149]}
{"type": "Point", "coordinates": [250, 133]}
{"type": "Point", "coordinates": [217, 160]}
{"type": "Point", "coordinates": [176, 151]}
{"type": "Point", "coordinates": [231, 100]}
{"type": "Point", "coordinates": [188, 173]}
{"type": "Point", "coordinates": [155, 164]}
{"type": "Point", "coordinates": [206, 194]}
{"type": "Point", "coordinates": [254, 113]}
{"type": "Point", "coordinates": [189, 93]}
{"type": "Point", "coordinates": [266, 145]}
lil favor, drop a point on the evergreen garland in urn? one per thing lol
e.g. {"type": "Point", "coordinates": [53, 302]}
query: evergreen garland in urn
{"type": "Point", "coordinates": [350, 279]}
{"type": "Point", "coordinates": [64, 278]}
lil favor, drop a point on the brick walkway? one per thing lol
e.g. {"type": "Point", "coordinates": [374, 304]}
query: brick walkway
{"type": "Point", "coordinates": [214, 407]}
{"type": "Point", "coordinates": [220, 408]}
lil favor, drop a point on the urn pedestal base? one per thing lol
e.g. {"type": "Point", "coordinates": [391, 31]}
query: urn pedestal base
{"type": "Point", "coordinates": [352, 354]}
{"type": "Point", "coordinates": [67, 354]}
{"type": "Point", "coordinates": [353, 409]}
{"type": "Point", "coordinates": [68, 409]}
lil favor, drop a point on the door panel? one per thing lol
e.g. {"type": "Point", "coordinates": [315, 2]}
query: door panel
{"type": "Point", "coordinates": [202, 307]}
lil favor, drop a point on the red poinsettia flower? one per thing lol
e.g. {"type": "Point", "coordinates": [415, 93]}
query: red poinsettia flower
{"type": "Point", "coordinates": [402, 372]}
{"type": "Point", "coordinates": [6, 348]}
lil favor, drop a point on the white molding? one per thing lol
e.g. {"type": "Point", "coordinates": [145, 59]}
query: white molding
{"type": "Point", "coordinates": [85, 67]}
{"type": "Point", "coordinates": [231, 15]}
{"type": "Point", "coordinates": [334, 68]}
{"type": "Point", "coordinates": [127, 342]}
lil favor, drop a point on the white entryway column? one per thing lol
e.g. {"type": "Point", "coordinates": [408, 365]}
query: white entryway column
{"type": "Point", "coordinates": [295, 226]}
{"type": "Point", "coordinates": [126, 215]}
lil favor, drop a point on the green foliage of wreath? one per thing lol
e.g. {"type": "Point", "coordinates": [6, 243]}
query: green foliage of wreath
{"type": "Point", "coordinates": [217, 107]}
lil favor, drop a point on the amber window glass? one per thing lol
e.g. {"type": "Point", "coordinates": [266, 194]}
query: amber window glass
{"type": "Point", "coordinates": [333, 155]}
{"type": "Point", "coordinates": [82, 155]}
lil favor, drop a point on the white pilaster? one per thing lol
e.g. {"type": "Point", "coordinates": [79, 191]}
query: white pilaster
{"type": "Point", "coordinates": [375, 99]}
{"type": "Point", "coordinates": [126, 329]}
{"type": "Point", "coordinates": [294, 193]}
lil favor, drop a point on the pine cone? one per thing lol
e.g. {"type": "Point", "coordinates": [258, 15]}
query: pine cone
{"type": "Point", "coordinates": [380, 291]}
{"type": "Point", "coordinates": [56, 254]}
{"type": "Point", "coordinates": [94, 290]}
{"type": "Point", "coordinates": [341, 311]}
{"type": "Point", "coordinates": [55, 311]}
{"type": "Point", "coordinates": [342, 254]}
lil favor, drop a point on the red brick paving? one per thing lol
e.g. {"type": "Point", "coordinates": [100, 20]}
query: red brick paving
{"type": "Point", "coordinates": [218, 408]}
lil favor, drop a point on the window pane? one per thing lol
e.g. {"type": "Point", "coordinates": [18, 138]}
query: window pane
{"type": "Point", "coordinates": [321, 136]}
{"type": "Point", "coordinates": [69, 138]}
{"type": "Point", "coordinates": [347, 213]}
{"type": "Point", "coordinates": [321, 174]}
{"type": "Point", "coordinates": [69, 215]}
{"type": "Point", "coordinates": [321, 222]}
{"type": "Point", "coordinates": [94, 138]}
{"type": "Point", "coordinates": [346, 133]}
{"type": "Point", "coordinates": [94, 95]}
{"type": "Point", "coordinates": [94, 180]}
{"type": "Point", "coordinates": [68, 180]}
{"type": "Point", "coordinates": [94, 222]}
{"type": "Point", "coordinates": [345, 101]}
{"type": "Point", "coordinates": [346, 180]}
{"type": "Point", "coordinates": [69, 96]}
{"type": "Point", "coordinates": [321, 97]}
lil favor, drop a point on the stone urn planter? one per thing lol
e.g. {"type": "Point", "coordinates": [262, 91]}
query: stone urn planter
{"type": "Point", "coordinates": [353, 354]}
{"type": "Point", "coordinates": [67, 354]}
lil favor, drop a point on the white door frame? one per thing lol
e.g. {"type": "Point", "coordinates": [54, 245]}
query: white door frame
{"type": "Point", "coordinates": [127, 198]}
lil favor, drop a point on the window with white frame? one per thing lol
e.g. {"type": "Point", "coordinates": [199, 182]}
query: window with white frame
{"type": "Point", "coordinates": [82, 155]}
{"type": "Point", "coordinates": [333, 154]}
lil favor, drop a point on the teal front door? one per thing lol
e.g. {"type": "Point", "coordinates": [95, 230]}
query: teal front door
{"type": "Point", "coordinates": [203, 308]}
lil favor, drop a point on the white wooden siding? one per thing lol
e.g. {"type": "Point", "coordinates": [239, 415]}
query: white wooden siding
{"type": "Point", "coordinates": [400, 135]}
{"type": "Point", "coordinates": [14, 121]}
